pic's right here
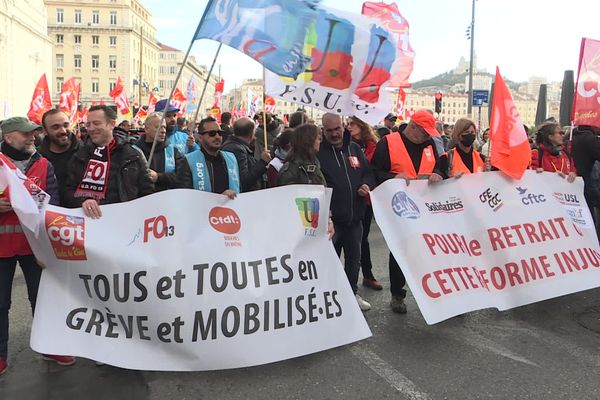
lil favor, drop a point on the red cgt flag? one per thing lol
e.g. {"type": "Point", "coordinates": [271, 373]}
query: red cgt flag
{"type": "Point", "coordinates": [586, 103]}
{"type": "Point", "coordinates": [40, 101]}
{"type": "Point", "coordinates": [69, 99]}
{"type": "Point", "coordinates": [120, 98]}
{"type": "Point", "coordinates": [511, 153]}
{"type": "Point", "coordinates": [152, 100]}
{"type": "Point", "coordinates": [178, 101]}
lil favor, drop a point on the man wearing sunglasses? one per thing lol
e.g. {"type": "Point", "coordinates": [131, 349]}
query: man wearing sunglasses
{"type": "Point", "coordinates": [209, 169]}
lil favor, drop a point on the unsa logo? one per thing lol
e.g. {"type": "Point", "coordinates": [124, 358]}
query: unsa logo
{"type": "Point", "coordinates": [224, 220]}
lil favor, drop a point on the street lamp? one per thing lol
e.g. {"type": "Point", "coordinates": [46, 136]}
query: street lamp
{"type": "Point", "coordinates": [472, 37]}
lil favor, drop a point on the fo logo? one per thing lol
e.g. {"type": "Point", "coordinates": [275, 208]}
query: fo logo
{"type": "Point", "coordinates": [67, 235]}
{"type": "Point", "coordinates": [403, 206]}
{"type": "Point", "coordinates": [309, 212]}
{"type": "Point", "coordinates": [224, 220]}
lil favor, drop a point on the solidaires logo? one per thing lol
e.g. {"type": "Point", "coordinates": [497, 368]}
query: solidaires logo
{"type": "Point", "coordinates": [404, 207]}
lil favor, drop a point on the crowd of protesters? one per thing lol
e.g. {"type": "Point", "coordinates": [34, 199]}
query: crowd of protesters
{"type": "Point", "coordinates": [101, 163]}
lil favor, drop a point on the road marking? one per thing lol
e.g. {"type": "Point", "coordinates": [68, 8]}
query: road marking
{"type": "Point", "coordinates": [483, 343]}
{"type": "Point", "coordinates": [400, 382]}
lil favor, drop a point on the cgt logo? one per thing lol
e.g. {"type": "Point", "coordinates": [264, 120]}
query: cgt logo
{"type": "Point", "coordinates": [530, 198]}
{"type": "Point", "coordinates": [158, 227]}
{"type": "Point", "coordinates": [67, 235]}
{"type": "Point", "coordinates": [224, 220]}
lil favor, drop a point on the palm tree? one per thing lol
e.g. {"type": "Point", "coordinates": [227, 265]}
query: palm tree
{"type": "Point", "coordinates": [566, 98]}
{"type": "Point", "coordinates": [540, 114]}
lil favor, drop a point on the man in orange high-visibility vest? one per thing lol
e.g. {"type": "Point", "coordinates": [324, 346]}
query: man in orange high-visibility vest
{"type": "Point", "coordinates": [410, 154]}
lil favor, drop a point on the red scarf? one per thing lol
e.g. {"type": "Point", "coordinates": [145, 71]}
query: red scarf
{"type": "Point", "coordinates": [95, 180]}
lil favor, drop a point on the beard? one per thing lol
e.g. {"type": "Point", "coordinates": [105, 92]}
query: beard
{"type": "Point", "coordinates": [61, 144]}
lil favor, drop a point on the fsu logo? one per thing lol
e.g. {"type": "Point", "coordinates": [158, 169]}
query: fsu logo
{"type": "Point", "coordinates": [67, 235]}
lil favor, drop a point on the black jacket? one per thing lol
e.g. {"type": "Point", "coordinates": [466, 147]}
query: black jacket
{"type": "Point", "coordinates": [251, 169]}
{"type": "Point", "coordinates": [128, 176]}
{"type": "Point", "coordinates": [60, 161]}
{"type": "Point", "coordinates": [347, 206]}
{"type": "Point", "coordinates": [165, 180]}
{"type": "Point", "coordinates": [585, 151]}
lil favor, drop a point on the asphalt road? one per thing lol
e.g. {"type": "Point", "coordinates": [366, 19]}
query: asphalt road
{"type": "Point", "coordinates": [548, 350]}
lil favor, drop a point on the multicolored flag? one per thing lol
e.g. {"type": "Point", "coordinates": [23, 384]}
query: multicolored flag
{"type": "Point", "coordinates": [252, 103]}
{"type": "Point", "coordinates": [191, 90]}
{"type": "Point", "coordinates": [391, 18]}
{"type": "Point", "coordinates": [40, 101]}
{"type": "Point", "coordinates": [69, 99]}
{"type": "Point", "coordinates": [354, 59]}
{"type": "Point", "coordinates": [270, 31]}
{"type": "Point", "coordinates": [120, 98]}
{"type": "Point", "coordinates": [511, 152]}
{"type": "Point", "coordinates": [586, 103]}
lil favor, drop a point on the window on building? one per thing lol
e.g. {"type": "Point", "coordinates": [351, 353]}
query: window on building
{"type": "Point", "coordinates": [113, 40]}
{"type": "Point", "coordinates": [161, 84]}
{"type": "Point", "coordinates": [60, 39]}
{"type": "Point", "coordinates": [95, 17]}
{"type": "Point", "coordinates": [95, 62]}
{"type": "Point", "coordinates": [95, 86]}
{"type": "Point", "coordinates": [60, 15]}
{"type": "Point", "coordinates": [172, 70]}
{"type": "Point", "coordinates": [112, 62]}
{"type": "Point", "coordinates": [77, 39]}
{"type": "Point", "coordinates": [111, 84]}
{"type": "Point", "coordinates": [59, 83]}
{"type": "Point", "coordinates": [77, 16]}
{"type": "Point", "coordinates": [60, 61]}
{"type": "Point", "coordinates": [95, 40]}
{"type": "Point", "coordinates": [113, 17]}
{"type": "Point", "coordinates": [77, 59]}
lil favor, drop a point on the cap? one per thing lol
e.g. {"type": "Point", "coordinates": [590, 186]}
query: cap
{"type": "Point", "coordinates": [391, 117]}
{"type": "Point", "coordinates": [20, 124]}
{"type": "Point", "coordinates": [425, 120]}
{"type": "Point", "coordinates": [160, 106]}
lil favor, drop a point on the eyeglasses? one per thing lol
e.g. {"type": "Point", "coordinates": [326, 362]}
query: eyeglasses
{"type": "Point", "coordinates": [212, 133]}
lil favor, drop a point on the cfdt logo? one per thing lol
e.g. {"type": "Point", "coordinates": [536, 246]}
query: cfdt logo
{"type": "Point", "coordinates": [308, 209]}
{"type": "Point", "coordinates": [530, 198]}
{"type": "Point", "coordinates": [403, 206]}
{"type": "Point", "coordinates": [67, 235]}
{"type": "Point", "coordinates": [158, 227]}
{"type": "Point", "coordinates": [491, 197]}
{"type": "Point", "coordinates": [224, 220]}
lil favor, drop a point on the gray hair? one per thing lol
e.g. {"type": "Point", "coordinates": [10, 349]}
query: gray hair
{"type": "Point", "coordinates": [152, 115]}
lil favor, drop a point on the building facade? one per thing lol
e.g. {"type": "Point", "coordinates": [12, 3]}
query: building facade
{"type": "Point", "coordinates": [98, 41]}
{"type": "Point", "coordinates": [169, 64]}
{"type": "Point", "coordinates": [26, 52]}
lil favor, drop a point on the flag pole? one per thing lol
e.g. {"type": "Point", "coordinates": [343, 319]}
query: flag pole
{"type": "Point", "coordinates": [264, 98]}
{"type": "Point", "coordinates": [187, 54]}
{"type": "Point", "coordinates": [205, 85]}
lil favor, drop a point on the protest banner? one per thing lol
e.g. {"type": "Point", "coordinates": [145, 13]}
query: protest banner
{"type": "Point", "coordinates": [184, 280]}
{"type": "Point", "coordinates": [486, 240]}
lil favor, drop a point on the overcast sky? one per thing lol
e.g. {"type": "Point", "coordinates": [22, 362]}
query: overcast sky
{"type": "Point", "coordinates": [523, 37]}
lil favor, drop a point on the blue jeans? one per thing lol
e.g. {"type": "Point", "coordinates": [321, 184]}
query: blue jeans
{"type": "Point", "coordinates": [32, 273]}
{"type": "Point", "coordinates": [349, 238]}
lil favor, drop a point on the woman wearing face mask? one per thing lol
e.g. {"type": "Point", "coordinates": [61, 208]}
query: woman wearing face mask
{"type": "Point", "coordinates": [463, 158]}
{"type": "Point", "coordinates": [551, 155]}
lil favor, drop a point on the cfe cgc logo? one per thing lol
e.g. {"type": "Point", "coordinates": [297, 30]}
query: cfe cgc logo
{"type": "Point", "coordinates": [308, 209]}
{"type": "Point", "coordinates": [404, 207]}
{"type": "Point", "coordinates": [67, 235]}
{"type": "Point", "coordinates": [491, 197]}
